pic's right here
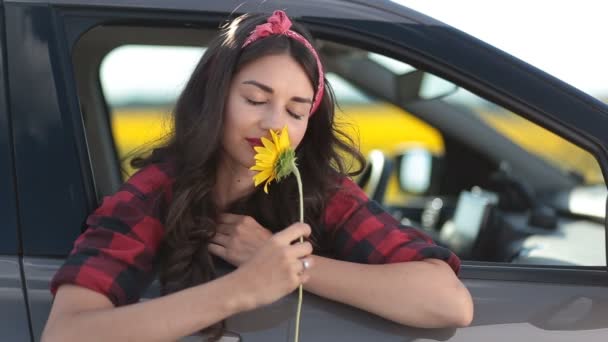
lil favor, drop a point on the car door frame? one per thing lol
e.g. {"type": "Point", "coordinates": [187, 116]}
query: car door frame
{"type": "Point", "coordinates": [14, 316]}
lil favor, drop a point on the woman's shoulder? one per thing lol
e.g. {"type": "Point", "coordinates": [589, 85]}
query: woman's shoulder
{"type": "Point", "coordinates": [346, 188]}
{"type": "Point", "coordinates": [152, 178]}
{"type": "Point", "coordinates": [344, 200]}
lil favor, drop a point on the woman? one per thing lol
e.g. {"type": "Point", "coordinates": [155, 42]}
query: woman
{"type": "Point", "coordinates": [193, 203]}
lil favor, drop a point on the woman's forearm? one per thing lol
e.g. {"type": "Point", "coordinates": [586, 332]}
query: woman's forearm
{"type": "Point", "coordinates": [274, 271]}
{"type": "Point", "coordinates": [418, 293]}
{"type": "Point", "coordinates": [167, 318]}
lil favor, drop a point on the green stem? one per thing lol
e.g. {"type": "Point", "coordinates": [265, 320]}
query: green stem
{"type": "Point", "coordinates": [296, 172]}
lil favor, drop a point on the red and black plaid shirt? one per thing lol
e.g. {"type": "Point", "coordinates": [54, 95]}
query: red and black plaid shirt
{"type": "Point", "coordinates": [117, 253]}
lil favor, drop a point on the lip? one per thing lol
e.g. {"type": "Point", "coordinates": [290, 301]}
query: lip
{"type": "Point", "coordinates": [254, 142]}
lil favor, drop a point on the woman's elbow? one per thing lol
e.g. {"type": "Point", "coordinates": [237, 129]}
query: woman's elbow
{"type": "Point", "coordinates": [465, 309]}
{"type": "Point", "coordinates": [461, 310]}
{"type": "Point", "coordinates": [61, 328]}
{"type": "Point", "coordinates": [458, 308]}
{"type": "Point", "coordinates": [52, 333]}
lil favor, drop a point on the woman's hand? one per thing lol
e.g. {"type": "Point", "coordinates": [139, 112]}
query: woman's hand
{"type": "Point", "coordinates": [238, 238]}
{"type": "Point", "coordinates": [277, 268]}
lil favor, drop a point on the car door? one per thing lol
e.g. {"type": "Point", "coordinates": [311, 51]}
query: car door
{"type": "Point", "coordinates": [14, 321]}
{"type": "Point", "coordinates": [50, 199]}
{"type": "Point", "coordinates": [537, 302]}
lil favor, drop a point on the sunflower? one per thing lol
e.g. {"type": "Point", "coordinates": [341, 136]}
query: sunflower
{"type": "Point", "coordinates": [275, 160]}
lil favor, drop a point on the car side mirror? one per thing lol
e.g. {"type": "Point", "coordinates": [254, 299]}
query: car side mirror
{"type": "Point", "coordinates": [418, 171]}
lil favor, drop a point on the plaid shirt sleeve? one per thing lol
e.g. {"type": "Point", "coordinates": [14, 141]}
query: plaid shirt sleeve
{"type": "Point", "coordinates": [363, 232]}
{"type": "Point", "coordinates": [115, 255]}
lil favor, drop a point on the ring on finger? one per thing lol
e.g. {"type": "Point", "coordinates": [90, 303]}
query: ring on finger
{"type": "Point", "coordinates": [305, 264]}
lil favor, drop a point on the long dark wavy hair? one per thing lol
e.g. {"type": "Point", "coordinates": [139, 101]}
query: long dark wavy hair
{"type": "Point", "coordinates": [325, 155]}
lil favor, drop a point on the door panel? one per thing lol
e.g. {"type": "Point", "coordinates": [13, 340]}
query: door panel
{"type": "Point", "coordinates": [504, 311]}
{"type": "Point", "coordinates": [38, 273]}
{"type": "Point", "coordinates": [14, 323]}
{"type": "Point", "coordinates": [13, 315]}
{"type": "Point", "coordinates": [271, 323]}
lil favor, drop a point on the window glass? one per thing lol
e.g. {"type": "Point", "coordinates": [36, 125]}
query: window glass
{"type": "Point", "coordinates": [474, 218]}
{"type": "Point", "coordinates": [140, 94]}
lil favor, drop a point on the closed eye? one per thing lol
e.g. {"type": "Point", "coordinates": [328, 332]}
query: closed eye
{"type": "Point", "coordinates": [255, 103]}
{"type": "Point", "coordinates": [295, 115]}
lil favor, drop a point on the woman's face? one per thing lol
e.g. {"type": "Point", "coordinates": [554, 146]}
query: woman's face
{"type": "Point", "coordinates": [268, 93]}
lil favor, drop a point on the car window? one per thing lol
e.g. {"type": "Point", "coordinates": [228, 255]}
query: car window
{"type": "Point", "coordinates": [432, 152]}
{"type": "Point", "coordinates": [140, 96]}
{"type": "Point", "coordinates": [484, 206]}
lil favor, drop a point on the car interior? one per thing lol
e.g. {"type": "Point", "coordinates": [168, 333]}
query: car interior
{"type": "Point", "coordinates": [485, 197]}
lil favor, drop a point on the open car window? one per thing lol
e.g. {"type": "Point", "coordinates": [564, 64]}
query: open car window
{"type": "Point", "coordinates": [481, 180]}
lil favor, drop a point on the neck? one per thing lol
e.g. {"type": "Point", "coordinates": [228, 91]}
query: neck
{"type": "Point", "coordinates": [232, 183]}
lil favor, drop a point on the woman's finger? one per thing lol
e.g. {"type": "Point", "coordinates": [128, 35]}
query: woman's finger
{"type": "Point", "coordinates": [229, 218]}
{"type": "Point", "coordinates": [217, 250]}
{"type": "Point", "coordinates": [299, 250]}
{"type": "Point", "coordinates": [292, 233]}
{"type": "Point", "coordinates": [225, 228]}
{"type": "Point", "coordinates": [221, 239]}
{"type": "Point", "coordinates": [305, 264]}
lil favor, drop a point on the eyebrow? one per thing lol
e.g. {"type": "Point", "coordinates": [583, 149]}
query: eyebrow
{"type": "Point", "coordinates": [271, 91]}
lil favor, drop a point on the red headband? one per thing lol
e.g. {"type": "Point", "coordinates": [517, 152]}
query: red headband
{"type": "Point", "coordinates": [279, 23]}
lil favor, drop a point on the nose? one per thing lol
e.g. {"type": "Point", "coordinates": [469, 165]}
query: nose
{"type": "Point", "coordinates": [273, 119]}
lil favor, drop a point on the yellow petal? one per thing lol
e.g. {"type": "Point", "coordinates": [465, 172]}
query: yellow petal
{"type": "Point", "coordinates": [263, 167]}
{"type": "Point", "coordinates": [270, 179]}
{"type": "Point", "coordinates": [269, 145]}
{"type": "Point", "coordinates": [267, 153]}
{"type": "Point", "coordinates": [261, 149]}
{"type": "Point", "coordinates": [265, 159]}
{"type": "Point", "coordinates": [275, 139]}
{"type": "Point", "coordinates": [267, 156]}
{"type": "Point", "coordinates": [262, 176]}
{"type": "Point", "coordinates": [284, 142]}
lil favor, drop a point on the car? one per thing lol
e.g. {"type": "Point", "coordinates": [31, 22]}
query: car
{"type": "Point", "coordinates": [529, 226]}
